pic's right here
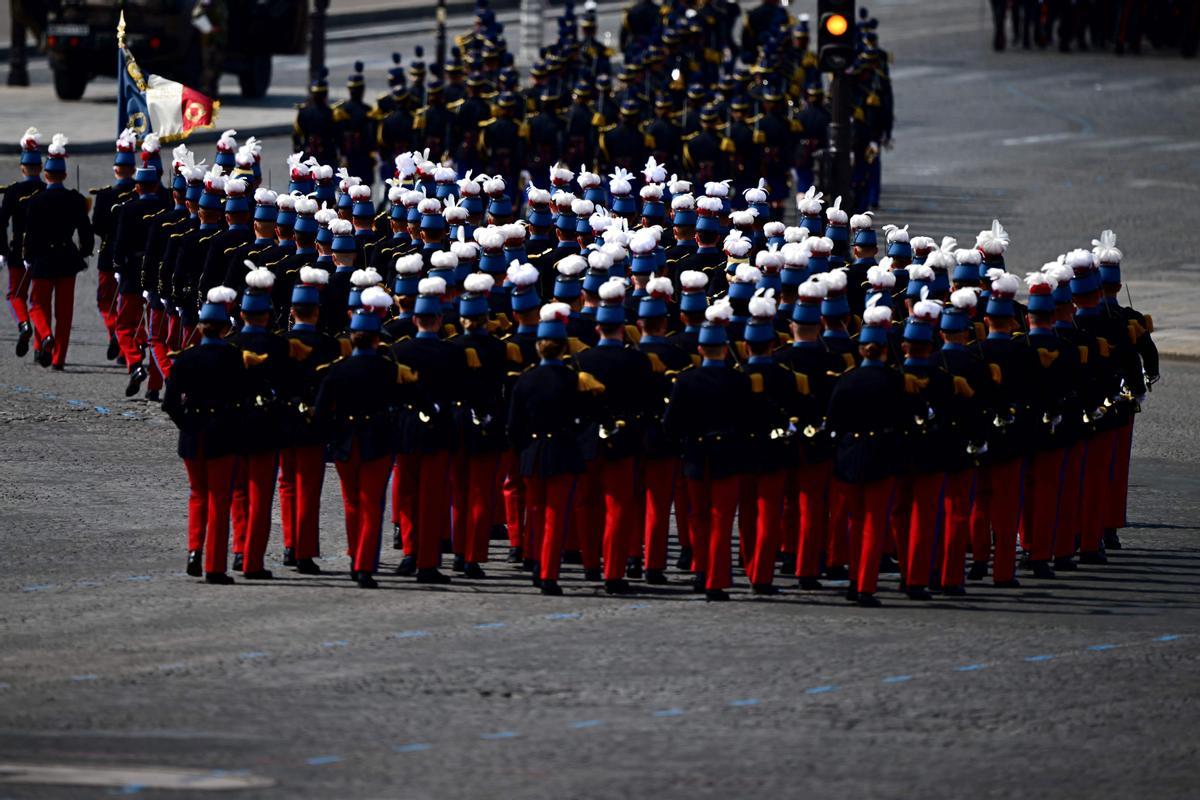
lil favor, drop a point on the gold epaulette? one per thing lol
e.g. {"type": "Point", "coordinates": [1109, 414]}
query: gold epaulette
{"type": "Point", "coordinates": [250, 359]}
{"type": "Point", "coordinates": [757, 383]}
{"type": "Point", "coordinates": [633, 334]}
{"type": "Point", "coordinates": [914, 384]}
{"type": "Point", "coordinates": [298, 350]}
{"type": "Point", "coordinates": [575, 345]}
{"type": "Point", "coordinates": [455, 105]}
{"type": "Point", "coordinates": [962, 388]}
{"type": "Point", "coordinates": [656, 363]}
{"type": "Point", "coordinates": [513, 351]}
{"type": "Point", "coordinates": [587, 383]}
{"type": "Point", "coordinates": [848, 358]}
{"type": "Point", "coordinates": [1047, 357]}
{"type": "Point", "coordinates": [473, 361]}
{"type": "Point", "coordinates": [405, 374]}
{"type": "Point", "coordinates": [997, 374]}
{"type": "Point", "coordinates": [801, 383]}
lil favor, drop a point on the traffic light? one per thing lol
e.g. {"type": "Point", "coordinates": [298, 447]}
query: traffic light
{"type": "Point", "coordinates": [835, 36]}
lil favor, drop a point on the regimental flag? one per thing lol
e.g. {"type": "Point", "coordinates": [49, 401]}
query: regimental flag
{"type": "Point", "coordinates": [157, 104]}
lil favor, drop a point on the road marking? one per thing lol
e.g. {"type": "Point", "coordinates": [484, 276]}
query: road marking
{"type": "Point", "coordinates": [76, 403]}
{"type": "Point", "coordinates": [1042, 138]}
{"type": "Point", "coordinates": [101, 410]}
{"type": "Point", "coordinates": [252, 654]}
{"type": "Point", "coordinates": [85, 678]}
{"type": "Point", "coordinates": [127, 777]}
{"type": "Point", "coordinates": [1170, 637]}
{"type": "Point", "coordinates": [1098, 647]}
{"type": "Point", "coordinates": [38, 587]}
{"type": "Point", "coordinates": [320, 761]}
{"type": "Point", "coordinates": [897, 679]}
{"type": "Point", "coordinates": [970, 667]}
{"type": "Point", "coordinates": [749, 701]}
{"type": "Point", "coordinates": [490, 625]}
{"type": "Point", "coordinates": [410, 634]}
{"type": "Point", "coordinates": [669, 712]}
{"type": "Point", "coordinates": [636, 606]}
{"type": "Point", "coordinates": [821, 689]}
{"type": "Point", "coordinates": [499, 735]}
{"type": "Point", "coordinates": [586, 723]}
{"type": "Point", "coordinates": [140, 578]}
{"type": "Point", "coordinates": [335, 643]}
{"type": "Point", "coordinates": [564, 615]}
{"type": "Point", "coordinates": [414, 747]}
{"type": "Point", "coordinates": [1044, 657]}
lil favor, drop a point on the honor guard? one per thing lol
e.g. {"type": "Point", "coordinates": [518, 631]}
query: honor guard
{"type": "Point", "coordinates": [104, 223]}
{"type": "Point", "coordinates": [316, 131]}
{"type": "Point", "coordinates": [355, 128]}
{"type": "Point", "coordinates": [13, 207]}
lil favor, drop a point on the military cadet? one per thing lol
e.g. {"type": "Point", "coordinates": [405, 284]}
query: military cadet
{"type": "Point", "coordinates": [711, 447]}
{"type": "Point", "coordinates": [550, 406]}
{"type": "Point", "coordinates": [58, 240]}
{"type": "Point", "coordinates": [265, 356]}
{"type": "Point", "coordinates": [204, 398]}
{"type": "Point", "coordinates": [302, 456]}
{"type": "Point", "coordinates": [623, 144]}
{"type": "Point", "coordinates": [434, 126]}
{"type": "Point", "coordinates": [335, 297]}
{"type": "Point", "coordinates": [237, 232]}
{"type": "Point", "coordinates": [13, 208]}
{"type": "Point", "coordinates": [128, 250]}
{"type": "Point", "coordinates": [427, 432]}
{"type": "Point", "coordinates": [355, 128]}
{"type": "Point", "coordinates": [356, 406]}
{"type": "Point", "coordinates": [315, 131]}
{"type": "Point", "coordinates": [185, 255]}
{"type": "Point", "coordinates": [104, 223]}
{"type": "Point", "coordinates": [502, 139]}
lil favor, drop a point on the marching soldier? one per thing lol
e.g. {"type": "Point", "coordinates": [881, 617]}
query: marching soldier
{"type": "Point", "coordinates": [315, 131]}
{"type": "Point", "coordinates": [104, 223]}
{"type": "Point", "coordinates": [355, 128]}
{"type": "Point", "coordinates": [13, 208]}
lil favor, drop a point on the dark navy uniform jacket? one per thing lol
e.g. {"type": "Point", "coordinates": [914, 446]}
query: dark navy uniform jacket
{"type": "Point", "coordinates": [55, 216]}
{"type": "Point", "coordinates": [707, 414]}
{"type": "Point", "coordinates": [356, 405]}
{"type": "Point", "coordinates": [204, 398]}
{"type": "Point", "coordinates": [427, 422]}
{"type": "Point", "coordinates": [866, 419]}
{"type": "Point", "coordinates": [624, 407]}
{"type": "Point", "coordinates": [547, 412]}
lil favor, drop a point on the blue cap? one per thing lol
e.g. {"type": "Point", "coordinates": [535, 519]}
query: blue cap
{"type": "Point", "coordinates": [741, 291]}
{"type": "Point", "coordinates": [1040, 302]}
{"type": "Point", "coordinates": [567, 289]}
{"type": "Point", "coordinates": [412, 214]}
{"type": "Point", "coordinates": [407, 283]}
{"type": "Point", "coordinates": [500, 206]}
{"type": "Point", "coordinates": [303, 223]}
{"type": "Point", "coordinates": [226, 159]}
{"type": "Point", "coordinates": [759, 330]}
{"type": "Point", "coordinates": [1085, 282]}
{"type": "Point", "coordinates": [493, 263]}
{"type": "Point", "coordinates": [1062, 293]}
{"type": "Point", "coordinates": [865, 237]}
{"type": "Point", "coordinates": [124, 158]}
{"type": "Point", "coordinates": [684, 217]}
{"type": "Point", "coordinates": [256, 302]}
{"type": "Point", "coordinates": [211, 201]}
{"type": "Point", "coordinates": [650, 307]}
{"type": "Point", "coordinates": [713, 334]}
{"type": "Point", "coordinates": [836, 306]}
{"type": "Point", "coordinates": [473, 204]}
{"type": "Point", "coordinates": [525, 298]}
{"type": "Point", "coordinates": [179, 183]}
{"type": "Point", "coordinates": [818, 264]}
{"type": "Point", "coordinates": [428, 304]}
{"type": "Point", "coordinates": [194, 192]}
{"type": "Point", "coordinates": [693, 302]}
{"type": "Point", "coordinates": [594, 278]}
{"type": "Point", "coordinates": [399, 212]}
{"type": "Point", "coordinates": [899, 249]}
{"type": "Point", "coordinates": [764, 211]}
{"type": "Point", "coordinates": [236, 203]}
{"type": "Point", "coordinates": [653, 209]}
{"type": "Point", "coordinates": [792, 275]}
{"type": "Point", "coordinates": [363, 208]}
{"type": "Point", "coordinates": [145, 175]}
{"type": "Point", "coordinates": [473, 305]}
{"type": "Point", "coordinates": [324, 235]}
{"type": "Point", "coordinates": [643, 263]}
{"type": "Point", "coordinates": [836, 233]}
{"type": "Point", "coordinates": [305, 295]}
{"type": "Point", "coordinates": [965, 275]}
{"type": "Point", "coordinates": [267, 212]}
{"type": "Point", "coordinates": [915, 285]}
{"type": "Point", "coordinates": [442, 190]}
{"type": "Point", "coordinates": [29, 157]}
{"type": "Point", "coordinates": [583, 227]}
{"type": "Point", "coordinates": [873, 334]}
{"type": "Point", "coordinates": [433, 222]}
{"type": "Point", "coordinates": [596, 194]}
{"type": "Point", "coordinates": [709, 223]}
{"type": "Point", "coordinates": [541, 216]}
{"type": "Point", "coordinates": [323, 192]}
{"type": "Point", "coordinates": [999, 306]}
{"type": "Point", "coordinates": [941, 282]}
{"type": "Point", "coordinates": [354, 299]}
{"type": "Point", "coordinates": [954, 319]}
{"type": "Point", "coordinates": [610, 314]}
{"type": "Point", "coordinates": [566, 221]}
{"type": "Point", "coordinates": [770, 280]}
{"type": "Point", "coordinates": [812, 222]}
{"type": "Point", "coordinates": [344, 244]}
{"type": "Point", "coordinates": [918, 330]}
{"type": "Point", "coordinates": [553, 329]}
{"type": "Point", "coordinates": [214, 312]}
{"type": "Point", "coordinates": [366, 320]}
{"type": "Point", "coordinates": [1110, 274]}
{"type": "Point", "coordinates": [304, 186]}
{"type": "Point", "coordinates": [344, 201]}
{"type": "Point", "coordinates": [625, 204]}
{"type": "Point", "coordinates": [806, 312]}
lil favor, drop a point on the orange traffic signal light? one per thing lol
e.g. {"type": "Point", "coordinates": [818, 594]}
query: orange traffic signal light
{"type": "Point", "coordinates": [836, 24]}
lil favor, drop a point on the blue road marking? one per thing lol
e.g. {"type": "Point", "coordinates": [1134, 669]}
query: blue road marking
{"type": "Point", "coordinates": [749, 701]}
{"type": "Point", "coordinates": [970, 667]}
{"type": "Point", "coordinates": [410, 634]}
{"type": "Point", "coordinates": [669, 712]}
{"type": "Point", "coordinates": [76, 403]}
{"type": "Point", "coordinates": [897, 679]}
{"type": "Point", "coordinates": [821, 689]}
{"type": "Point", "coordinates": [129, 788]}
{"type": "Point", "coordinates": [1039, 658]}
{"type": "Point", "coordinates": [140, 578]}
{"type": "Point", "coordinates": [21, 389]}
{"type": "Point", "coordinates": [37, 587]}
{"type": "Point", "coordinates": [129, 414]}
{"type": "Point", "coordinates": [101, 410]}
{"type": "Point", "coordinates": [414, 747]}
{"type": "Point", "coordinates": [1170, 637]}
{"type": "Point", "coordinates": [498, 735]}
{"type": "Point", "coordinates": [49, 396]}
{"type": "Point", "coordinates": [335, 643]}
{"type": "Point", "coordinates": [4, 686]}
{"type": "Point", "coordinates": [320, 761]}
{"type": "Point", "coordinates": [252, 654]}
{"type": "Point", "coordinates": [1099, 647]}
{"type": "Point", "coordinates": [564, 615]}
{"type": "Point", "coordinates": [587, 723]}
{"type": "Point", "coordinates": [84, 678]}
{"type": "Point", "coordinates": [636, 606]}
{"type": "Point", "coordinates": [490, 625]}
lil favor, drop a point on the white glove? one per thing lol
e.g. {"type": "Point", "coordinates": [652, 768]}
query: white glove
{"type": "Point", "coordinates": [3, 262]}
{"type": "Point", "coordinates": [145, 295]}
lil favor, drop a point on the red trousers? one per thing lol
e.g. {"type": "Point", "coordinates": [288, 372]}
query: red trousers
{"type": "Point", "coordinates": [422, 501]}
{"type": "Point", "coordinates": [480, 509]}
{"type": "Point", "coordinates": [1066, 531]}
{"type": "Point", "coordinates": [53, 296]}
{"type": "Point", "coordinates": [1039, 512]}
{"type": "Point", "coordinates": [712, 504]}
{"type": "Point", "coordinates": [812, 505]}
{"type": "Point", "coordinates": [1117, 498]}
{"type": "Point", "coordinates": [925, 494]}
{"type": "Point", "coordinates": [659, 476]}
{"type": "Point", "coordinates": [210, 483]}
{"type": "Point", "coordinates": [18, 291]}
{"type": "Point", "coordinates": [997, 512]}
{"type": "Point", "coordinates": [131, 335]}
{"type": "Point", "coordinates": [364, 492]}
{"type": "Point", "coordinates": [253, 495]}
{"type": "Point", "coordinates": [301, 476]}
{"type": "Point", "coordinates": [106, 300]}
{"type": "Point", "coordinates": [585, 532]}
{"type": "Point", "coordinates": [618, 489]}
{"type": "Point", "coordinates": [1097, 482]}
{"type": "Point", "coordinates": [868, 505]}
{"type": "Point", "coordinates": [549, 504]}
{"type": "Point", "coordinates": [790, 519]}
{"type": "Point", "coordinates": [956, 525]}
{"type": "Point", "coordinates": [159, 332]}
{"type": "Point", "coordinates": [837, 544]}
{"type": "Point", "coordinates": [513, 492]}
{"type": "Point", "coordinates": [768, 526]}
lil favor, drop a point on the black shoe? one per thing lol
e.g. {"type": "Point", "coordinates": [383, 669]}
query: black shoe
{"type": "Point", "coordinates": [852, 594]}
{"type": "Point", "coordinates": [397, 539]}
{"type": "Point", "coordinates": [716, 596]}
{"type": "Point", "coordinates": [809, 585]}
{"type": "Point", "coordinates": [528, 564]}
{"type": "Point", "coordinates": [868, 601]}
{"type": "Point", "coordinates": [447, 547]}
{"type": "Point", "coordinates": [979, 571]}
{"type": "Point", "coordinates": [114, 348]}
{"type": "Point", "coordinates": [459, 565]}
{"type": "Point", "coordinates": [353, 574]}
{"type": "Point", "coordinates": [1111, 540]}
{"type": "Point", "coordinates": [536, 572]}
{"type": "Point", "coordinates": [699, 583]}
{"type": "Point", "coordinates": [616, 587]}
{"type": "Point", "coordinates": [365, 581]}
{"type": "Point", "coordinates": [473, 570]}
{"type": "Point", "coordinates": [787, 564]}
{"type": "Point", "coordinates": [1095, 557]}
{"type": "Point", "coordinates": [195, 563]}
{"type": "Point", "coordinates": [918, 593]}
{"type": "Point", "coordinates": [258, 575]}
{"type": "Point", "coordinates": [684, 562]}
{"type": "Point", "coordinates": [954, 591]}
{"type": "Point", "coordinates": [593, 574]}
{"type": "Point", "coordinates": [888, 566]}
{"type": "Point", "coordinates": [433, 576]}
{"type": "Point", "coordinates": [656, 577]}
{"type": "Point", "coordinates": [514, 556]}
{"type": "Point", "coordinates": [306, 566]}
{"type": "Point", "coordinates": [633, 569]}
{"type": "Point", "coordinates": [120, 360]}
{"type": "Point", "coordinates": [136, 378]}
{"type": "Point", "coordinates": [764, 589]}
{"type": "Point", "coordinates": [551, 588]}
{"type": "Point", "coordinates": [24, 334]}
{"type": "Point", "coordinates": [218, 578]}
{"type": "Point", "coordinates": [408, 566]}
{"type": "Point", "coordinates": [46, 354]}
{"type": "Point", "coordinates": [1041, 569]}
{"type": "Point", "coordinates": [153, 396]}
{"type": "Point", "coordinates": [237, 562]}
{"type": "Point", "coordinates": [1065, 564]}
{"type": "Point", "coordinates": [572, 557]}
{"type": "Point", "coordinates": [1011, 583]}
{"type": "Point", "coordinates": [57, 368]}
{"type": "Point", "coordinates": [499, 532]}
{"type": "Point", "coordinates": [837, 573]}
{"type": "Point", "coordinates": [289, 556]}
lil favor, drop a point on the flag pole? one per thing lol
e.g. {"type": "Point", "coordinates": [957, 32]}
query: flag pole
{"type": "Point", "coordinates": [120, 67]}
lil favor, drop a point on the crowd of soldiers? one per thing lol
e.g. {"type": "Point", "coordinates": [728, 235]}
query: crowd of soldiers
{"type": "Point", "coordinates": [574, 370]}
{"type": "Point", "coordinates": [1084, 25]}
{"type": "Point", "coordinates": [682, 89]}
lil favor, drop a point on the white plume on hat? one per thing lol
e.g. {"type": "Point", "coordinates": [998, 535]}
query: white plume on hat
{"type": "Point", "coordinates": [227, 142]}
{"type": "Point", "coordinates": [430, 206]}
{"type": "Point", "coordinates": [453, 212]}
{"type": "Point", "coordinates": [968, 256]}
{"type": "Point", "coordinates": [412, 197]}
{"type": "Point", "coordinates": [406, 165]}
{"type": "Point", "coordinates": [1105, 248]}
{"type": "Point", "coordinates": [993, 241]}
{"type": "Point", "coordinates": [58, 145]}
{"type": "Point", "coordinates": [743, 218]}
{"type": "Point", "coordinates": [561, 173]}
{"type": "Point", "coordinates": [490, 237]}
{"type": "Point", "coordinates": [660, 287]}
{"type": "Point", "coordinates": [651, 192]}
{"type": "Point", "coordinates": [819, 245]}
{"type": "Point", "coordinates": [1033, 279]}
{"type": "Point", "coordinates": [773, 228]}
{"type": "Point", "coordinates": [410, 264]}
{"type": "Point", "coordinates": [862, 222]}
{"type": "Point", "coordinates": [877, 315]}
{"type": "Point", "coordinates": [718, 188]}
{"type": "Point", "coordinates": [896, 234]}
{"type": "Point", "coordinates": [341, 227]}
{"type": "Point", "coordinates": [235, 186]}
{"type": "Point", "coordinates": [538, 197]}
{"type": "Point", "coordinates": [314, 276]}
{"type": "Point", "coordinates": [1005, 284]}
{"type": "Point", "coordinates": [835, 280]}
{"type": "Point", "coordinates": [619, 183]}
{"type": "Point", "coordinates": [445, 174]}
{"type": "Point", "coordinates": [920, 272]}
{"type": "Point", "coordinates": [562, 199]}
{"type": "Point", "coordinates": [221, 294]}
{"type": "Point", "coordinates": [677, 185]}
{"type": "Point", "coordinates": [710, 204]}
{"type": "Point", "coordinates": [127, 140]}
{"type": "Point", "coordinates": [928, 310]}
{"type": "Point", "coordinates": [769, 259]}
{"type": "Point", "coordinates": [359, 193]}
{"type": "Point", "coordinates": [599, 260]}
{"type": "Point", "coordinates": [964, 298]}
{"type": "Point", "coordinates": [376, 298]}
{"type": "Point", "coordinates": [151, 144]}
{"type": "Point", "coordinates": [362, 278]}
{"type": "Point", "coordinates": [693, 279]}
{"type": "Point", "coordinates": [923, 243]}
{"type": "Point", "coordinates": [265, 197]}
{"type": "Point", "coordinates": [995, 274]}
{"type": "Point", "coordinates": [615, 251]}
{"type": "Point", "coordinates": [613, 289]}
{"type": "Point", "coordinates": [258, 277]}
{"type": "Point", "coordinates": [432, 286]}
{"type": "Point", "coordinates": [810, 203]}
{"type": "Point", "coordinates": [322, 172]}
{"type": "Point", "coordinates": [600, 220]}
{"type": "Point", "coordinates": [939, 259]}
{"type": "Point", "coordinates": [835, 214]}
{"type": "Point", "coordinates": [880, 277]}
{"type": "Point", "coordinates": [478, 283]}
{"type": "Point", "coordinates": [571, 266]}
{"type": "Point", "coordinates": [795, 254]}
{"type": "Point", "coordinates": [747, 274]}
{"type": "Point", "coordinates": [443, 259]}
{"type": "Point", "coordinates": [737, 245]}
{"type": "Point", "coordinates": [813, 289]}
{"type": "Point", "coordinates": [325, 217]}
{"type": "Point", "coordinates": [796, 234]}
{"type": "Point", "coordinates": [643, 242]}
{"type": "Point", "coordinates": [762, 304]}
{"type": "Point", "coordinates": [587, 179]}
{"type": "Point", "coordinates": [468, 186]}
{"type": "Point", "coordinates": [494, 185]}
{"type": "Point", "coordinates": [1080, 259]}
{"type": "Point", "coordinates": [582, 208]}
{"type": "Point", "coordinates": [33, 137]}
{"type": "Point", "coordinates": [522, 274]}
{"type": "Point", "coordinates": [554, 312]}
{"type": "Point", "coordinates": [1061, 272]}
{"type": "Point", "coordinates": [654, 172]}
{"type": "Point", "coordinates": [720, 311]}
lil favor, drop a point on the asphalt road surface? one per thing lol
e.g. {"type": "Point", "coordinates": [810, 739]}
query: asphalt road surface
{"type": "Point", "coordinates": [116, 668]}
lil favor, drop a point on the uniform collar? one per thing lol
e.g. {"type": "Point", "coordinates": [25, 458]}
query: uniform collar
{"type": "Point", "coordinates": [918, 362]}
{"type": "Point", "coordinates": [253, 329]}
{"type": "Point", "coordinates": [305, 251]}
{"type": "Point", "coordinates": [610, 343]}
{"type": "Point", "coordinates": [211, 340]}
{"type": "Point", "coordinates": [804, 344]}
{"type": "Point", "coordinates": [648, 339]}
{"type": "Point", "coordinates": [527, 329]}
{"type": "Point", "coordinates": [956, 346]}
{"type": "Point", "coordinates": [872, 362]}
{"type": "Point", "coordinates": [760, 360]}
{"type": "Point", "coordinates": [550, 362]}
{"type": "Point", "coordinates": [426, 335]}
{"type": "Point", "coordinates": [304, 326]}
{"type": "Point", "coordinates": [363, 351]}
{"type": "Point", "coordinates": [712, 362]}
{"type": "Point", "coordinates": [239, 227]}
{"type": "Point", "coordinates": [999, 336]}
{"type": "Point", "coordinates": [50, 186]}
{"type": "Point", "coordinates": [834, 333]}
